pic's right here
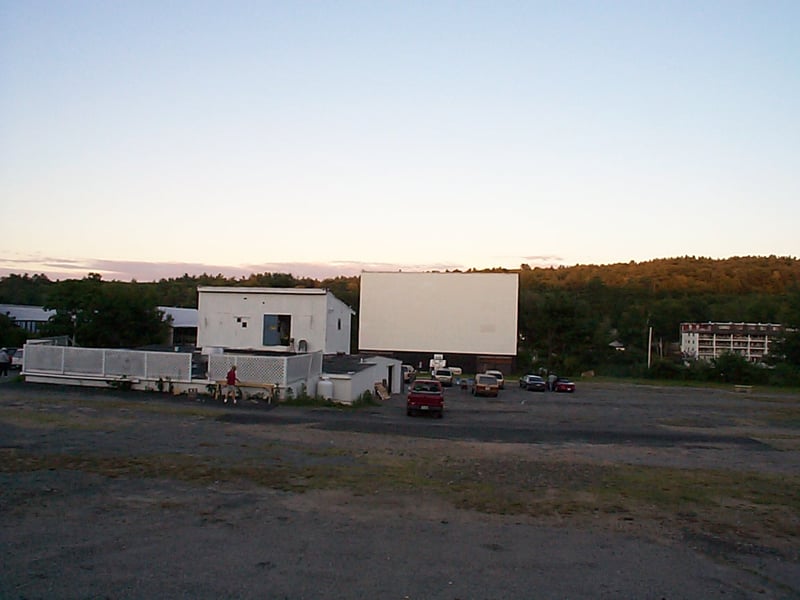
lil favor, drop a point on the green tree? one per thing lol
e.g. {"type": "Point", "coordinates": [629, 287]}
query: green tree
{"type": "Point", "coordinates": [24, 289]}
{"type": "Point", "coordinates": [105, 315]}
{"type": "Point", "coordinates": [11, 336]}
{"type": "Point", "coordinates": [787, 350]}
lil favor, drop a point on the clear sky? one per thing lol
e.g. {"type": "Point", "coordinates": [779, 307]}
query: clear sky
{"type": "Point", "coordinates": [151, 138]}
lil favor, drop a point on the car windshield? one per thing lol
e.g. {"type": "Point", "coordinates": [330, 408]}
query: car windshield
{"type": "Point", "coordinates": [426, 387]}
{"type": "Point", "coordinates": [487, 380]}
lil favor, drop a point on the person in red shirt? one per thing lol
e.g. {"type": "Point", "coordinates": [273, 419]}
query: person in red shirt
{"type": "Point", "coordinates": [231, 379]}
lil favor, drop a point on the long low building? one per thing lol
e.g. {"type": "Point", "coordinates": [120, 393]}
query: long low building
{"type": "Point", "coordinates": [706, 341]}
{"type": "Point", "coordinates": [29, 318]}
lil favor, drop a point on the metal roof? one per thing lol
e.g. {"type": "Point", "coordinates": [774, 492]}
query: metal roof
{"type": "Point", "coordinates": [20, 312]}
{"type": "Point", "coordinates": [181, 317]}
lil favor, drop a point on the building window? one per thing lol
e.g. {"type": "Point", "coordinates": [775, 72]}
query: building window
{"type": "Point", "coordinates": [277, 330]}
{"type": "Point", "coordinates": [339, 324]}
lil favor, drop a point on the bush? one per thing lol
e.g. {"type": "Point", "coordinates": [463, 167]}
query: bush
{"type": "Point", "coordinates": [734, 368]}
{"type": "Point", "coordinates": [366, 399]}
{"type": "Point", "coordinates": [784, 375]}
{"type": "Point", "coordinates": [666, 369]}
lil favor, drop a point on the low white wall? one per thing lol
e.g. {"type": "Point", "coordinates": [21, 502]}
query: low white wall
{"type": "Point", "coordinates": [348, 387]}
{"type": "Point", "coordinates": [105, 364]}
{"type": "Point", "coordinates": [146, 371]}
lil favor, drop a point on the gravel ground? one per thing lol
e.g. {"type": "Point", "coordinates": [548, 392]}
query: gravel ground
{"type": "Point", "coordinates": [109, 495]}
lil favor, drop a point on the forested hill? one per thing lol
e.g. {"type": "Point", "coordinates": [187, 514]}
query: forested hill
{"type": "Point", "coordinates": [745, 275]}
{"type": "Point", "coordinates": [568, 316]}
{"type": "Point", "coordinates": [738, 275]}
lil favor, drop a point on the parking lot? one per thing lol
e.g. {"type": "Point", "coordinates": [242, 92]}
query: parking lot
{"type": "Point", "coordinates": [606, 493]}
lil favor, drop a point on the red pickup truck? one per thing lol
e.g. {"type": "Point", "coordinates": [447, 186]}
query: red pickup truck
{"type": "Point", "coordinates": [425, 396]}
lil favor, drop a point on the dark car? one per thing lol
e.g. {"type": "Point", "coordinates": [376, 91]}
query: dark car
{"type": "Point", "coordinates": [425, 396]}
{"type": "Point", "coordinates": [532, 383]}
{"type": "Point", "coordinates": [563, 385]}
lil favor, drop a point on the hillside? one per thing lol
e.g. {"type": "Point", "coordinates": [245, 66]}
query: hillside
{"type": "Point", "coordinates": [737, 275]}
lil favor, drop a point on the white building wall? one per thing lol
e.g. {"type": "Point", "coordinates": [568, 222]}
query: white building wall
{"type": "Point", "coordinates": [388, 369]}
{"type": "Point", "coordinates": [338, 326]}
{"type": "Point", "coordinates": [234, 318]}
{"type": "Point", "coordinates": [689, 344]}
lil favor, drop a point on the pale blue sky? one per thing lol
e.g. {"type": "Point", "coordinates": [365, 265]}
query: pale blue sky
{"type": "Point", "coordinates": [149, 139]}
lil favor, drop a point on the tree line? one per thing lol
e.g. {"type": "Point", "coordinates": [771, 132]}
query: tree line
{"type": "Point", "coordinates": [568, 316]}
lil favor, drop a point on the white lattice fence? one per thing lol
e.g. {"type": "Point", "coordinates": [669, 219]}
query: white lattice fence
{"type": "Point", "coordinates": [101, 362]}
{"type": "Point", "coordinates": [316, 363]}
{"type": "Point", "coordinates": [122, 362]}
{"type": "Point", "coordinates": [255, 369]}
{"type": "Point", "coordinates": [44, 358]}
{"type": "Point", "coordinates": [301, 367]}
{"type": "Point", "coordinates": [168, 365]}
{"type": "Point", "coordinates": [87, 361]}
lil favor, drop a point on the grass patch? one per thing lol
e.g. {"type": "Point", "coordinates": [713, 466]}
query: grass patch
{"type": "Point", "coordinates": [690, 383]}
{"type": "Point", "coordinates": [723, 503]}
{"type": "Point", "coordinates": [303, 400]}
{"type": "Point", "coordinates": [485, 485]}
{"type": "Point", "coordinates": [669, 488]}
{"type": "Point", "coordinates": [81, 415]}
{"type": "Point", "coordinates": [50, 420]}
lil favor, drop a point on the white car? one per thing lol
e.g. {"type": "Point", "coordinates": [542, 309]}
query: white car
{"type": "Point", "coordinates": [444, 375]}
{"type": "Point", "coordinates": [16, 360]}
{"type": "Point", "coordinates": [501, 382]}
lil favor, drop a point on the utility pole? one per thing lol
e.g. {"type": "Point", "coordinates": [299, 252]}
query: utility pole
{"type": "Point", "coordinates": [649, 346]}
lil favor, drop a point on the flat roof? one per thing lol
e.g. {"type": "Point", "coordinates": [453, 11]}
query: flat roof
{"type": "Point", "coordinates": [340, 364]}
{"type": "Point", "coordinates": [223, 289]}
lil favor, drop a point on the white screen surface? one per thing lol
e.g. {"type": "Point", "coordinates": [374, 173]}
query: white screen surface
{"type": "Point", "coordinates": [470, 313]}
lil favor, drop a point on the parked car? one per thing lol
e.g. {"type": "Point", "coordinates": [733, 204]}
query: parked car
{"type": "Point", "coordinates": [409, 373]}
{"type": "Point", "coordinates": [425, 396]}
{"type": "Point", "coordinates": [16, 358]}
{"type": "Point", "coordinates": [465, 383]}
{"type": "Point", "coordinates": [444, 375]}
{"type": "Point", "coordinates": [485, 385]}
{"type": "Point", "coordinates": [501, 382]}
{"type": "Point", "coordinates": [563, 384]}
{"type": "Point", "coordinates": [533, 383]}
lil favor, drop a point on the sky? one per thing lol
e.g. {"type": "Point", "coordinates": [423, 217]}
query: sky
{"type": "Point", "coordinates": [144, 140]}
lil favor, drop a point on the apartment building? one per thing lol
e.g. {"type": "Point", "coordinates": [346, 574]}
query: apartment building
{"type": "Point", "coordinates": [704, 341]}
